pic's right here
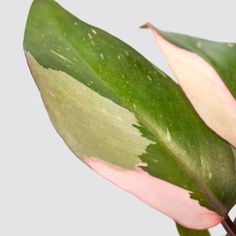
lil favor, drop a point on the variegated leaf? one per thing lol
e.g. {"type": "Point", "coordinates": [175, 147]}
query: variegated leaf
{"type": "Point", "coordinates": [127, 120]}
{"type": "Point", "coordinates": [206, 71]}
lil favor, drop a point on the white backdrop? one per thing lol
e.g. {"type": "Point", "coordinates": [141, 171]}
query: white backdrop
{"type": "Point", "coordinates": [44, 189]}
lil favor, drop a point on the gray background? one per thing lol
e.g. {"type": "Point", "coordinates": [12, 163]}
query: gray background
{"type": "Point", "coordinates": [44, 189]}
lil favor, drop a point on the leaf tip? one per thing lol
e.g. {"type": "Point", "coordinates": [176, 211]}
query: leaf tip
{"type": "Point", "coordinates": [147, 26]}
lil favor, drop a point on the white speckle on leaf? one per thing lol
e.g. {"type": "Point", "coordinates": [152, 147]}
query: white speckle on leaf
{"type": "Point", "coordinates": [119, 118]}
{"type": "Point", "coordinates": [102, 56]}
{"type": "Point", "coordinates": [126, 53]}
{"type": "Point", "coordinates": [76, 23]}
{"type": "Point", "coordinates": [59, 55]}
{"type": "Point", "coordinates": [230, 45]}
{"type": "Point", "coordinates": [168, 136]}
{"type": "Point", "coordinates": [210, 175]}
{"type": "Point", "coordinates": [142, 164]}
{"type": "Point", "coordinates": [155, 160]}
{"type": "Point", "coordinates": [118, 57]}
{"type": "Point", "coordinates": [90, 36]}
{"type": "Point", "coordinates": [94, 31]}
{"type": "Point", "coordinates": [199, 44]}
{"type": "Point", "coordinates": [135, 107]}
{"type": "Point", "coordinates": [200, 157]}
{"type": "Point", "coordinates": [149, 77]}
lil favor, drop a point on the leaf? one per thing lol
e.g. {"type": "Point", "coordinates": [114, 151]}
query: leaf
{"type": "Point", "coordinates": [127, 120]}
{"type": "Point", "coordinates": [206, 71]}
{"type": "Point", "coordinates": [188, 232]}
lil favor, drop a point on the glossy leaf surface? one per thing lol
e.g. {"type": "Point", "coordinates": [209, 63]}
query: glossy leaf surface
{"type": "Point", "coordinates": [127, 120]}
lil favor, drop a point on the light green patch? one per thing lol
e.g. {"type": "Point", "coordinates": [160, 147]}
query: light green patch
{"type": "Point", "coordinates": [91, 125]}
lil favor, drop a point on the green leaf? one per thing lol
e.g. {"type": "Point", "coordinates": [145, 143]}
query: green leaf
{"type": "Point", "coordinates": [128, 120]}
{"type": "Point", "coordinates": [189, 232]}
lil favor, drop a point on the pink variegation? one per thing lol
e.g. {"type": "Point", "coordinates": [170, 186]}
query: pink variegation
{"type": "Point", "coordinates": [203, 86]}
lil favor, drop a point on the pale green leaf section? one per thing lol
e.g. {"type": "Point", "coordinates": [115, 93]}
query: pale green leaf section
{"type": "Point", "coordinates": [91, 125]}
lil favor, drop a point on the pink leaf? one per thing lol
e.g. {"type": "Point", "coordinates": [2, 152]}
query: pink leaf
{"type": "Point", "coordinates": [161, 195]}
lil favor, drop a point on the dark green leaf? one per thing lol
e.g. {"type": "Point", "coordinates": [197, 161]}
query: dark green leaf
{"type": "Point", "coordinates": [189, 232]}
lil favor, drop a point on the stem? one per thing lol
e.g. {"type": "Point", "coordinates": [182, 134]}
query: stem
{"type": "Point", "coordinates": [229, 226]}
